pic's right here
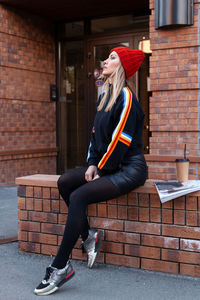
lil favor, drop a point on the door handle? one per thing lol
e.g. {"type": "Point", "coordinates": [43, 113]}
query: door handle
{"type": "Point", "coordinates": [89, 74]}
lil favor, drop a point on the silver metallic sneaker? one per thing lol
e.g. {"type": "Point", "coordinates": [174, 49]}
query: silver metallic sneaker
{"type": "Point", "coordinates": [92, 246]}
{"type": "Point", "coordinates": [54, 278]}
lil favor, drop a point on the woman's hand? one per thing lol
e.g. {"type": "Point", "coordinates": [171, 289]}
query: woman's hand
{"type": "Point", "coordinates": [91, 173]}
{"type": "Point", "coordinates": [96, 177]}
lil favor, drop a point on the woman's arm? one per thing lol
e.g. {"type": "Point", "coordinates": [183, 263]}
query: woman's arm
{"type": "Point", "coordinates": [122, 135]}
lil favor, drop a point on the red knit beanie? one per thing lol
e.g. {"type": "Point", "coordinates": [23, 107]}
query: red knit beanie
{"type": "Point", "coordinates": [130, 59]}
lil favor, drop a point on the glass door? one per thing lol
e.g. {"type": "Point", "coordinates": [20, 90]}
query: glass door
{"type": "Point", "coordinates": [71, 107]}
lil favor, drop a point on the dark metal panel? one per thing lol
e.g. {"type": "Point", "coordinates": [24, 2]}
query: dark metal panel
{"type": "Point", "coordinates": [173, 12]}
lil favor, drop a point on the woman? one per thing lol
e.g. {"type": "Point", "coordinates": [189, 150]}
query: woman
{"type": "Point", "coordinates": [116, 164]}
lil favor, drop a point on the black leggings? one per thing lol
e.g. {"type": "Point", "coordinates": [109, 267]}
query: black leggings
{"type": "Point", "coordinates": [78, 193]}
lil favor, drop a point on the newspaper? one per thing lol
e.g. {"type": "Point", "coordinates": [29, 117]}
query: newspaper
{"type": "Point", "coordinates": [168, 190]}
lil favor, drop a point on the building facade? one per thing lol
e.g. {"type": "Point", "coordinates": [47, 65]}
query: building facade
{"type": "Point", "coordinates": [50, 59]}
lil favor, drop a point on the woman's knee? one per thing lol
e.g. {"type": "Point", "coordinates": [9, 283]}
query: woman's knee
{"type": "Point", "coordinates": [63, 181]}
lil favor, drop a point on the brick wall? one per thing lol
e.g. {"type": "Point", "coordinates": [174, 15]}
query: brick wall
{"type": "Point", "coordinates": [27, 117]}
{"type": "Point", "coordinates": [139, 231]}
{"type": "Point", "coordinates": [174, 105]}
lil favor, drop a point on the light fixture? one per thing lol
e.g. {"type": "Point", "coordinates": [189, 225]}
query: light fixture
{"type": "Point", "coordinates": [173, 13]}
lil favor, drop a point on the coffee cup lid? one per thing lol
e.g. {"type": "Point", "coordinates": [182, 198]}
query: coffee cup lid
{"type": "Point", "coordinates": [182, 159]}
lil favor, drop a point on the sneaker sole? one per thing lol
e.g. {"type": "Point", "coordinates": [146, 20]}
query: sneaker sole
{"type": "Point", "coordinates": [67, 278]}
{"type": "Point", "coordinates": [97, 247]}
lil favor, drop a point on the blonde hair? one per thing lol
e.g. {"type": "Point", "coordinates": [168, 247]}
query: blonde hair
{"type": "Point", "coordinates": [118, 77]}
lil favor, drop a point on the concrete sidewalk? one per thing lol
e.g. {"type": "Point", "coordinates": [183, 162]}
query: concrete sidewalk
{"type": "Point", "coordinates": [21, 272]}
{"type": "Point", "coordinates": [8, 214]}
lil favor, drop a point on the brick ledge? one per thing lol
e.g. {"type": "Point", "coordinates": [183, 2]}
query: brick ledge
{"type": "Point", "coordinates": [46, 180]}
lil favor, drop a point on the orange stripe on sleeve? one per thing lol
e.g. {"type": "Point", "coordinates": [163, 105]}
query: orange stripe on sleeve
{"type": "Point", "coordinates": [118, 130]}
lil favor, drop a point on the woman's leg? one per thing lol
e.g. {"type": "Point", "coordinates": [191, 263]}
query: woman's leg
{"type": "Point", "coordinates": [92, 192]}
{"type": "Point", "coordinates": [67, 183]}
{"type": "Point", "coordinates": [70, 181]}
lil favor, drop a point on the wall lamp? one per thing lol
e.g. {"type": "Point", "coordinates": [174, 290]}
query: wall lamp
{"type": "Point", "coordinates": [173, 13]}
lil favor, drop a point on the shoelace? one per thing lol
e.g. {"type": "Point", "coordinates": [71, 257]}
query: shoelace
{"type": "Point", "coordinates": [49, 271]}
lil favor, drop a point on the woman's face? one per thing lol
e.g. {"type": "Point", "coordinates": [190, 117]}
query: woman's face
{"type": "Point", "coordinates": [111, 63]}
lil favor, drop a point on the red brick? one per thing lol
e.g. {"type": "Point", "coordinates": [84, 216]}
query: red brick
{"type": "Point", "coordinates": [78, 255]}
{"type": "Point", "coordinates": [52, 228]}
{"type": "Point", "coordinates": [29, 191]}
{"type": "Point", "coordinates": [42, 217]}
{"type": "Point", "coordinates": [179, 203]}
{"type": "Point", "coordinates": [191, 203]}
{"type": "Point", "coordinates": [21, 191]}
{"type": "Point", "coordinates": [181, 231]}
{"type": "Point", "coordinates": [49, 250]}
{"type": "Point", "coordinates": [168, 204]}
{"type": "Point", "coordinates": [181, 256]}
{"type": "Point", "coordinates": [122, 260]}
{"type": "Point", "coordinates": [141, 251]}
{"type": "Point", "coordinates": [46, 193]}
{"type": "Point", "coordinates": [160, 241]}
{"type": "Point", "coordinates": [46, 205]}
{"type": "Point", "coordinates": [190, 270]}
{"type": "Point", "coordinates": [112, 211]}
{"type": "Point", "coordinates": [110, 247]}
{"type": "Point", "coordinates": [62, 219]}
{"type": "Point", "coordinates": [78, 243]}
{"type": "Point", "coordinates": [155, 201]}
{"type": "Point", "coordinates": [144, 200]}
{"type": "Point", "coordinates": [159, 265]}
{"type": "Point", "coordinates": [29, 204]}
{"type": "Point", "coordinates": [92, 210]}
{"type": "Point", "coordinates": [54, 193]}
{"type": "Point", "coordinates": [29, 247]}
{"type": "Point", "coordinates": [143, 214]}
{"type": "Point", "coordinates": [179, 217]}
{"type": "Point", "coordinates": [191, 218]}
{"type": "Point", "coordinates": [28, 226]}
{"type": "Point", "coordinates": [102, 210]}
{"type": "Point", "coordinates": [133, 213]}
{"type": "Point", "coordinates": [123, 237]}
{"type": "Point", "coordinates": [142, 227]}
{"type": "Point", "coordinates": [110, 224]}
{"type": "Point", "coordinates": [112, 201]}
{"type": "Point", "coordinates": [133, 198]}
{"type": "Point", "coordinates": [21, 203]}
{"type": "Point", "coordinates": [38, 204]}
{"type": "Point", "coordinates": [55, 206]}
{"type": "Point", "coordinates": [42, 238]}
{"type": "Point", "coordinates": [155, 216]}
{"type": "Point", "coordinates": [122, 212]}
{"type": "Point", "coordinates": [167, 216]}
{"type": "Point", "coordinates": [22, 236]}
{"type": "Point", "coordinates": [22, 215]}
{"type": "Point", "coordinates": [122, 200]}
{"type": "Point", "coordinates": [63, 207]}
{"type": "Point", "coordinates": [37, 191]}
{"type": "Point", "coordinates": [190, 245]}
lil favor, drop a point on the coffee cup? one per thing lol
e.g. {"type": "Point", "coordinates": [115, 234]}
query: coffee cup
{"type": "Point", "coordinates": [182, 169]}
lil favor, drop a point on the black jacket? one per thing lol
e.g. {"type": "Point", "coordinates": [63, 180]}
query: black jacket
{"type": "Point", "coordinates": [117, 134]}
